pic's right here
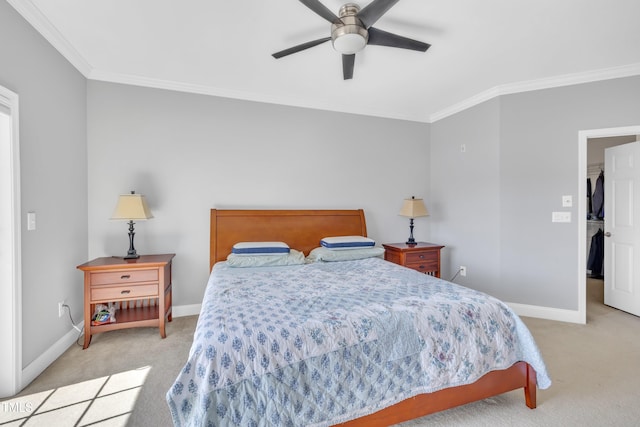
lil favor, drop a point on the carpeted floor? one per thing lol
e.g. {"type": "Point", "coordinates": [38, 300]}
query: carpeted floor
{"type": "Point", "coordinates": [122, 378]}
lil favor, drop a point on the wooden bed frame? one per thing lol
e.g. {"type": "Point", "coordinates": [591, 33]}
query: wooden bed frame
{"type": "Point", "coordinates": [302, 230]}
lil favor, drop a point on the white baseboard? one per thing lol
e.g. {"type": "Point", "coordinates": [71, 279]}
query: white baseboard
{"type": "Point", "coordinates": [186, 310]}
{"type": "Point", "coordinates": [41, 363]}
{"type": "Point", "coordinates": [562, 315]}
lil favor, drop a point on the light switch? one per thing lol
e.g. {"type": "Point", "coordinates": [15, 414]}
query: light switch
{"type": "Point", "coordinates": [31, 221]}
{"type": "Point", "coordinates": [567, 201]}
{"type": "Point", "coordinates": [561, 217]}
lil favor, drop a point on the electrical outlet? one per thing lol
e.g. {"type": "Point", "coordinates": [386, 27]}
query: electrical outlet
{"type": "Point", "coordinates": [61, 308]}
{"type": "Point", "coordinates": [463, 271]}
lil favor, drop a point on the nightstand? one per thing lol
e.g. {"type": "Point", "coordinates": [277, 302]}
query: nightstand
{"type": "Point", "coordinates": [423, 256]}
{"type": "Point", "coordinates": [140, 289]}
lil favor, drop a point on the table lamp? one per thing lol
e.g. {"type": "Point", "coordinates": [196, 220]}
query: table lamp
{"type": "Point", "coordinates": [132, 207]}
{"type": "Point", "coordinates": [413, 208]}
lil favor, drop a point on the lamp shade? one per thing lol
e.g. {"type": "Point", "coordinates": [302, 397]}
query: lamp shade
{"type": "Point", "coordinates": [132, 206]}
{"type": "Point", "coordinates": [413, 208]}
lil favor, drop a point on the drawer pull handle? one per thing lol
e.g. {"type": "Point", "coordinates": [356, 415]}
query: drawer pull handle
{"type": "Point", "coordinates": [421, 267]}
{"type": "Point", "coordinates": [125, 276]}
{"type": "Point", "coordinates": [126, 291]}
{"type": "Point", "coordinates": [421, 256]}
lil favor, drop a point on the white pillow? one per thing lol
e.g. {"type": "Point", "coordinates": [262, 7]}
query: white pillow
{"type": "Point", "coordinates": [260, 248]}
{"type": "Point", "coordinates": [347, 242]}
{"type": "Point", "coordinates": [292, 258]}
{"type": "Point", "coordinates": [328, 255]}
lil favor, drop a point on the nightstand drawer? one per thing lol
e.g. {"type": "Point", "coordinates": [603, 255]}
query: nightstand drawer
{"type": "Point", "coordinates": [424, 267]}
{"type": "Point", "coordinates": [119, 277]}
{"type": "Point", "coordinates": [107, 293]}
{"type": "Point", "coordinates": [418, 257]}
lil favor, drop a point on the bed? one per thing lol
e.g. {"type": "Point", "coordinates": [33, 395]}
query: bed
{"type": "Point", "coordinates": [353, 343]}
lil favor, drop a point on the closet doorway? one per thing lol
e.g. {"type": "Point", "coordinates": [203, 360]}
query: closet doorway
{"type": "Point", "coordinates": [591, 221]}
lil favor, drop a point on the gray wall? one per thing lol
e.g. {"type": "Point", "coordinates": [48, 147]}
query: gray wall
{"type": "Point", "coordinates": [466, 193]}
{"type": "Point", "coordinates": [52, 96]}
{"type": "Point", "coordinates": [506, 238]}
{"type": "Point", "coordinates": [189, 153]}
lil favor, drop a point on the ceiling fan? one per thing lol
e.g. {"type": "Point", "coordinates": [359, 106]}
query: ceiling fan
{"type": "Point", "coordinates": [352, 30]}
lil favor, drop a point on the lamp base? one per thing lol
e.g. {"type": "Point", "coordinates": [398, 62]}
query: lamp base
{"type": "Point", "coordinates": [131, 253]}
{"type": "Point", "coordinates": [411, 240]}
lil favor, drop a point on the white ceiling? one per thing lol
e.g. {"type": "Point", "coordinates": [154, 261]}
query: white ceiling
{"type": "Point", "coordinates": [480, 49]}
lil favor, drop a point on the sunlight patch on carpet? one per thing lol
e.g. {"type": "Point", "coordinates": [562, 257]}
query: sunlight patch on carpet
{"type": "Point", "coordinates": [107, 400]}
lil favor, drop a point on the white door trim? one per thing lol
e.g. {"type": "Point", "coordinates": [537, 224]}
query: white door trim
{"type": "Point", "coordinates": [583, 139]}
{"type": "Point", "coordinates": [13, 305]}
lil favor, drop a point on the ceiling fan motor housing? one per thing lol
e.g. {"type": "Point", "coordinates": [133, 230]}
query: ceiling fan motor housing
{"type": "Point", "coordinates": [349, 34]}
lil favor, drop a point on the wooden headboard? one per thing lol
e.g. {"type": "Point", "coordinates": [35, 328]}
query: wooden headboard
{"type": "Point", "coordinates": [300, 229]}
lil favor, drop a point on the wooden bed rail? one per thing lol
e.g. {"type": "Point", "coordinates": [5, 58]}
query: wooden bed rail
{"type": "Point", "coordinates": [519, 375]}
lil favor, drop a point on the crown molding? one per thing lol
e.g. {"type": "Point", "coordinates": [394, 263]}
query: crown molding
{"type": "Point", "coordinates": [172, 85]}
{"type": "Point", "coordinates": [531, 85]}
{"type": "Point", "coordinates": [38, 20]}
{"type": "Point", "coordinates": [507, 89]}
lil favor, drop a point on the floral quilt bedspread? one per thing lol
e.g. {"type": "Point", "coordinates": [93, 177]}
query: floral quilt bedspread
{"type": "Point", "coordinates": [324, 343]}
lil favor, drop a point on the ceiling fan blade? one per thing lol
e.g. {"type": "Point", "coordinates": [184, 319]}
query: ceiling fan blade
{"type": "Point", "coordinates": [383, 38]}
{"type": "Point", "coordinates": [300, 47]}
{"type": "Point", "coordinates": [321, 10]}
{"type": "Point", "coordinates": [348, 62]}
{"type": "Point", "coordinates": [374, 10]}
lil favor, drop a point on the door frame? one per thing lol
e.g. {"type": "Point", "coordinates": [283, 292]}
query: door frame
{"type": "Point", "coordinates": [583, 140]}
{"type": "Point", "coordinates": [13, 305]}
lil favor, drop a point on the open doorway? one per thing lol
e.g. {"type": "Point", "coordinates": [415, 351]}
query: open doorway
{"type": "Point", "coordinates": [596, 171]}
{"type": "Point", "coordinates": [10, 264]}
{"type": "Point", "coordinates": [592, 144]}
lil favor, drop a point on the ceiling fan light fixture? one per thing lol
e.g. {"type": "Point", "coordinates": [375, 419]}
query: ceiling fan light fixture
{"type": "Point", "coordinates": [348, 44]}
{"type": "Point", "coordinates": [349, 35]}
